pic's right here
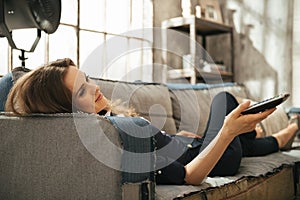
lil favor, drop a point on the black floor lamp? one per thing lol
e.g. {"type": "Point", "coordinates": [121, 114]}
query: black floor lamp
{"type": "Point", "coordinates": [44, 15]}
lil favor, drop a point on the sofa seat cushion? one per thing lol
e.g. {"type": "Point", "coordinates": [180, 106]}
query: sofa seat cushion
{"type": "Point", "coordinates": [150, 100]}
{"type": "Point", "coordinates": [251, 168]}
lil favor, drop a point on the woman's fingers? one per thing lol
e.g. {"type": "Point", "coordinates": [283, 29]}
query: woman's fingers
{"type": "Point", "coordinates": [263, 115]}
{"type": "Point", "coordinates": [240, 108]}
{"type": "Point", "coordinates": [238, 123]}
{"type": "Point", "coordinates": [260, 116]}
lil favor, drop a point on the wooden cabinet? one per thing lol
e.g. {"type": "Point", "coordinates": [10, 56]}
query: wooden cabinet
{"type": "Point", "coordinates": [199, 27]}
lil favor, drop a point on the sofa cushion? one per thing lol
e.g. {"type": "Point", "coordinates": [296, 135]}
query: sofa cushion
{"type": "Point", "coordinates": [150, 100]}
{"type": "Point", "coordinates": [187, 117]}
{"type": "Point", "coordinates": [191, 103]}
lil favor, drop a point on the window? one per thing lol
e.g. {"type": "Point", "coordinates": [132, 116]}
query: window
{"type": "Point", "coordinates": [90, 33]}
{"type": "Point", "coordinates": [3, 56]}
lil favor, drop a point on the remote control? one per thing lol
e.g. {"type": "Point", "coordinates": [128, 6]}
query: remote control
{"type": "Point", "coordinates": [266, 104]}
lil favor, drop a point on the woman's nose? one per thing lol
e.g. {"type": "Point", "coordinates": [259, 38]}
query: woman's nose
{"type": "Point", "coordinates": [94, 88]}
{"type": "Point", "coordinates": [97, 88]}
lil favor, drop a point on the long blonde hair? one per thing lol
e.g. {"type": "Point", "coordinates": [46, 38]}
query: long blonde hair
{"type": "Point", "coordinates": [43, 90]}
{"type": "Point", "coordinates": [117, 107]}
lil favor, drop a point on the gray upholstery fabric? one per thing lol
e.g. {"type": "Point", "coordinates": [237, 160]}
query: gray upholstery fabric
{"type": "Point", "coordinates": [46, 157]}
{"type": "Point", "coordinates": [188, 115]}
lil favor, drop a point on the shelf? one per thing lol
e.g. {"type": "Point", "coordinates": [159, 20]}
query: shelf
{"type": "Point", "coordinates": [198, 26]}
{"type": "Point", "coordinates": [202, 26]}
{"type": "Point", "coordinates": [181, 73]}
{"type": "Point", "coordinates": [199, 74]}
{"type": "Point", "coordinates": [215, 73]}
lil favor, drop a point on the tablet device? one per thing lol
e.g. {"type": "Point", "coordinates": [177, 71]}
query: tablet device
{"type": "Point", "coordinates": [266, 104]}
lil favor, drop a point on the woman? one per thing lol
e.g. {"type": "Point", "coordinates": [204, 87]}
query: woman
{"type": "Point", "coordinates": [61, 87]}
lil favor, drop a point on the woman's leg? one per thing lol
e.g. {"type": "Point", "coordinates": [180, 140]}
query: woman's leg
{"type": "Point", "coordinates": [245, 145]}
{"type": "Point", "coordinates": [222, 104]}
{"type": "Point", "coordinates": [270, 144]}
{"type": "Point", "coordinates": [258, 146]}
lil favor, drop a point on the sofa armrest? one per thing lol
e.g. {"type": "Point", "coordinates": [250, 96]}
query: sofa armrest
{"type": "Point", "coordinates": [58, 157]}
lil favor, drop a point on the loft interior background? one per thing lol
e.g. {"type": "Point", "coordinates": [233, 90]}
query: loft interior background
{"type": "Point", "coordinates": [267, 46]}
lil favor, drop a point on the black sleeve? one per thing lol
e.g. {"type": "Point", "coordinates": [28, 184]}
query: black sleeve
{"type": "Point", "coordinates": [173, 173]}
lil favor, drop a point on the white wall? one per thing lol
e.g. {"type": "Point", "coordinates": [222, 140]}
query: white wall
{"type": "Point", "coordinates": [264, 45]}
{"type": "Point", "coordinates": [296, 55]}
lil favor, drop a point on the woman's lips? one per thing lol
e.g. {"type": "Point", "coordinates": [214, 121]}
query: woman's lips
{"type": "Point", "coordinates": [99, 97]}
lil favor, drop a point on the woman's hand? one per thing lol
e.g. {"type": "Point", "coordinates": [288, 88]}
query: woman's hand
{"type": "Point", "coordinates": [235, 123]}
{"type": "Point", "coordinates": [188, 134]}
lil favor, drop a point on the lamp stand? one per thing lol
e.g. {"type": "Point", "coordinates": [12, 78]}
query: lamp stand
{"type": "Point", "coordinates": [22, 57]}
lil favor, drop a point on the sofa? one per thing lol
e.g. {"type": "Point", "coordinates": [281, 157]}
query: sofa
{"type": "Point", "coordinates": [78, 155]}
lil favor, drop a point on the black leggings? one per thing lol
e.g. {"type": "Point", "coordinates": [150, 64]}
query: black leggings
{"type": "Point", "coordinates": [244, 145]}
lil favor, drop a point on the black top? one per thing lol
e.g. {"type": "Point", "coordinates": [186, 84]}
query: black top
{"type": "Point", "coordinates": [173, 152]}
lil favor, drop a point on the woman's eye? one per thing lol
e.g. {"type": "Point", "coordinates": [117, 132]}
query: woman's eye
{"type": "Point", "coordinates": [81, 92]}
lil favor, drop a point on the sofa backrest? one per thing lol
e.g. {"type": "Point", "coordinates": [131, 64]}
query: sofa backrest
{"type": "Point", "coordinates": [172, 107]}
{"type": "Point", "coordinates": [60, 156]}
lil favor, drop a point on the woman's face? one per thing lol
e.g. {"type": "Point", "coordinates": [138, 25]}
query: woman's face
{"type": "Point", "coordinates": [86, 94]}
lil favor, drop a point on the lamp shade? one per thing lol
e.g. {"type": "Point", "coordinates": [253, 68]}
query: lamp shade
{"type": "Point", "coordinates": [44, 15]}
{"type": "Point", "coordinates": [40, 14]}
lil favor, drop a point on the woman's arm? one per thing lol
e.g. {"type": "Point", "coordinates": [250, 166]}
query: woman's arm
{"type": "Point", "coordinates": [234, 124]}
